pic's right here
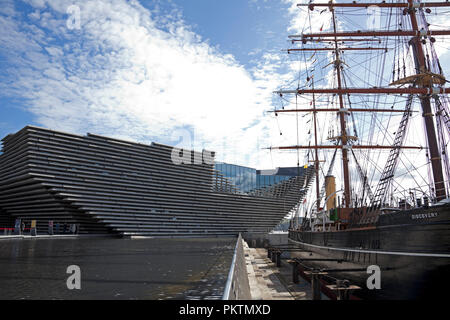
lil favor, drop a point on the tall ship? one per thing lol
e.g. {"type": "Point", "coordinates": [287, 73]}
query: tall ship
{"type": "Point", "coordinates": [381, 194]}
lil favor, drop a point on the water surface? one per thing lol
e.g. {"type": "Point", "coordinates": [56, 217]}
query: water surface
{"type": "Point", "coordinates": [115, 268]}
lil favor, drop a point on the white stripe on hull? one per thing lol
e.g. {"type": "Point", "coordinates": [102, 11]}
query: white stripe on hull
{"type": "Point", "coordinates": [411, 254]}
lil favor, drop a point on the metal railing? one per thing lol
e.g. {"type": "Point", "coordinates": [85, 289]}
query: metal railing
{"type": "Point", "coordinates": [237, 286]}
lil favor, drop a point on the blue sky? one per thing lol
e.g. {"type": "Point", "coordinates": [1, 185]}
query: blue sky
{"type": "Point", "coordinates": [143, 70]}
{"type": "Point", "coordinates": [236, 26]}
{"type": "Point", "coordinates": [197, 71]}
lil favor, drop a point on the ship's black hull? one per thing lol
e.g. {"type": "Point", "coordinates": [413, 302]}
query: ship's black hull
{"type": "Point", "coordinates": [411, 248]}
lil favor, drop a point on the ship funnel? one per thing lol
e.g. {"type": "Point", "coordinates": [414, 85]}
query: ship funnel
{"type": "Point", "coordinates": [330, 187]}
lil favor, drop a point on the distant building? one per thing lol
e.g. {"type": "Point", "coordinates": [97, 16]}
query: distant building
{"type": "Point", "coordinates": [248, 179]}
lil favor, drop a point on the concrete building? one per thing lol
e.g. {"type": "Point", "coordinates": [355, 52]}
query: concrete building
{"type": "Point", "coordinates": [112, 186]}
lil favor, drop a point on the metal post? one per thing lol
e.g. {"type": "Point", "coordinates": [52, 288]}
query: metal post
{"type": "Point", "coordinates": [274, 256]}
{"type": "Point", "coordinates": [342, 294]}
{"type": "Point", "coordinates": [315, 284]}
{"type": "Point", "coordinates": [278, 259]}
{"type": "Point", "coordinates": [295, 272]}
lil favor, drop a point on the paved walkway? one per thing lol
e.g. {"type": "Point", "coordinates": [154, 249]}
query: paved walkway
{"type": "Point", "coordinates": [267, 282]}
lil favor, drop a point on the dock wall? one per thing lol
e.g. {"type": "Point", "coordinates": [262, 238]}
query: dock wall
{"type": "Point", "coordinates": [263, 240]}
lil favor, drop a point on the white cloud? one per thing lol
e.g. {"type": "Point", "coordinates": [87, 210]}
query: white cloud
{"type": "Point", "coordinates": [133, 75]}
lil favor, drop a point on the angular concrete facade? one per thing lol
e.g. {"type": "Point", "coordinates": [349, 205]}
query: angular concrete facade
{"type": "Point", "coordinates": [112, 186]}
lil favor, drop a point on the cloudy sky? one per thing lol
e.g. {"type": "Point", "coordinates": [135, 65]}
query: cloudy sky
{"type": "Point", "coordinates": [196, 72]}
{"type": "Point", "coordinates": [145, 70]}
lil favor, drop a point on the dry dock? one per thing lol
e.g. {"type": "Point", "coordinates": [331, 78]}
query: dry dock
{"type": "Point", "coordinates": [269, 282]}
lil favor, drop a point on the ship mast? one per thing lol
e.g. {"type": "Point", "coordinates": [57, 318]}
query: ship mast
{"type": "Point", "coordinates": [424, 89]}
{"type": "Point", "coordinates": [436, 160]}
{"type": "Point", "coordinates": [342, 115]}
{"type": "Point", "coordinates": [317, 161]}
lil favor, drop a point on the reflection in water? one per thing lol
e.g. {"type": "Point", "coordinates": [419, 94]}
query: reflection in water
{"type": "Point", "coordinates": [115, 268]}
